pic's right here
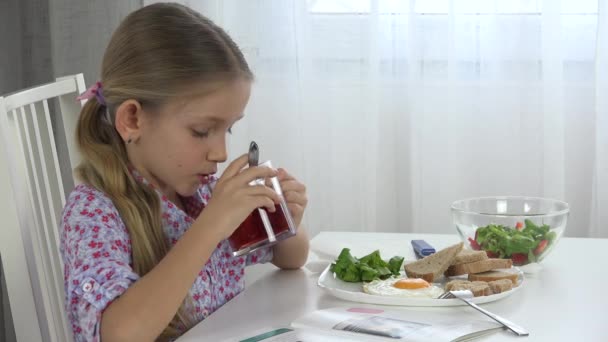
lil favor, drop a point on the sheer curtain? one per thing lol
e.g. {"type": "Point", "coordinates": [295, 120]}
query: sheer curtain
{"type": "Point", "coordinates": [391, 110]}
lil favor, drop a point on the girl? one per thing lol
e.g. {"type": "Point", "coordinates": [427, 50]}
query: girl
{"type": "Point", "coordinates": [143, 238]}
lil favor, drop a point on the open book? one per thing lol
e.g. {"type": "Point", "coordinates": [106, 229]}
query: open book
{"type": "Point", "coordinates": [375, 324]}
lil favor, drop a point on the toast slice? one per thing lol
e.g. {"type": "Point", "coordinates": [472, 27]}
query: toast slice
{"type": "Point", "coordinates": [467, 256]}
{"type": "Point", "coordinates": [478, 267]}
{"type": "Point", "coordinates": [478, 288]}
{"type": "Point", "coordinates": [495, 275]}
{"type": "Point", "coordinates": [499, 286]}
{"type": "Point", "coordinates": [449, 286]}
{"type": "Point", "coordinates": [432, 267]}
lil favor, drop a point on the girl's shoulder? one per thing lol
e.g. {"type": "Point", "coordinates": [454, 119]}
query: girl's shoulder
{"type": "Point", "coordinates": [87, 195]}
{"type": "Point", "coordinates": [89, 205]}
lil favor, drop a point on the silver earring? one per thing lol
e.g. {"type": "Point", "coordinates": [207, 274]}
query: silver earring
{"type": "Point", "coordinates": [129, 140]}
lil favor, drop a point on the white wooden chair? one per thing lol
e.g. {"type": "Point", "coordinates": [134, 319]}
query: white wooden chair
{"type": "Point", "coordinates": [32, 197]}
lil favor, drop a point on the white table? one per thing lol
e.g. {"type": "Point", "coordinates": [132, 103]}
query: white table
{"type": "Point", "coordinates": [563, 302]}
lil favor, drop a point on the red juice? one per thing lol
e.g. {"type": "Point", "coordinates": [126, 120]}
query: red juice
{"type": "Point", "coordinates": [252, 230]}
{"type": "Point", "coordinates": [278, 221]}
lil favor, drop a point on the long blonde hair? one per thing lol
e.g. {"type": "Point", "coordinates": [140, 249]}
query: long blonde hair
{"type": "Point", "coordinates": [155, 53]}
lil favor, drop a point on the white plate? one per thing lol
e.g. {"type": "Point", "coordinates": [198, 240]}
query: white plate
{"type": "Point", "coordinates": [354, 292]}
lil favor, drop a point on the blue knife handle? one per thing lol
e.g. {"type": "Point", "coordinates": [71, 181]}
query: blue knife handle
{"type": "Point", "coordinates": [422, 248]}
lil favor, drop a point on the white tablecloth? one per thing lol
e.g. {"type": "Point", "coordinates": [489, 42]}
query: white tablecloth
{"type": "Point", "coordinates": [563, 302]}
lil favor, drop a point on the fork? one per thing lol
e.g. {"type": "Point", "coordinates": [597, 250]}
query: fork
{"type": "Point", "coordinates": [465, 295]}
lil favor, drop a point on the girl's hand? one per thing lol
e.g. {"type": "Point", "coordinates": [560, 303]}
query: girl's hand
{"type": "Point", "coordinates": [295, 195]}
{"type": "Point", "coordinates": [233, 199]}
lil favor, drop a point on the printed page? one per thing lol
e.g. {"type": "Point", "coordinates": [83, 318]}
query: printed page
{"type": "Point", "coordinates": [374, 324]}
{"type": "Point", "coordinates": [294, 335]}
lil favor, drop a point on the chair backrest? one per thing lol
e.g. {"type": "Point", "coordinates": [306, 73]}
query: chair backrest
{"type": "Point", "coordinates": [31, 201]}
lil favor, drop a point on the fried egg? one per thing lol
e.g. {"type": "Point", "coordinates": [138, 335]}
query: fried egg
{"type": "Point", "coordinates": [403, 287]}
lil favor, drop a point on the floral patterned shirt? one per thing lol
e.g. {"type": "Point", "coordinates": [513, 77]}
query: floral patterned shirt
{"type": "Point", "coordinates": [96, 251]}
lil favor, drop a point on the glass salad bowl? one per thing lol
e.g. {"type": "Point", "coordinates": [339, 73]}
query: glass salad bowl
{"type": "Point", "coordinates": [523, 229]}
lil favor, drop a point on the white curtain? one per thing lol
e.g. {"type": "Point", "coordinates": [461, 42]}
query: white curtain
{"type": "Point", "coordinates": [391, 110]}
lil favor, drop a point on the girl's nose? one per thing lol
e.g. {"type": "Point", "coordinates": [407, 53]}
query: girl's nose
{"type": "Point", "coordinates": [217, 152]}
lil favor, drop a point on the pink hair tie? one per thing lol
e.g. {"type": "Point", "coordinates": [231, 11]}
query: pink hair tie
{"type": "Point", "coordinates": [96, 90]}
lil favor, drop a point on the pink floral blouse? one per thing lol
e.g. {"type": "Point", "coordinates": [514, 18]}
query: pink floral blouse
{"type": "Point", "coordinates": [96, 251]}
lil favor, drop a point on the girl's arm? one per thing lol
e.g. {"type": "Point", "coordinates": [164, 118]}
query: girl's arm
{"type": "Point", "coordinates": [148, 306]}
{"type": "Point", "coordinates": [293, 252]}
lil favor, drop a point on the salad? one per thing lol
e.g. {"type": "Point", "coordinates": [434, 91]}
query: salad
{"type": "Point", "coordinates": [368, 268]}
{"type": "Point", "coordinates": [523, 244]}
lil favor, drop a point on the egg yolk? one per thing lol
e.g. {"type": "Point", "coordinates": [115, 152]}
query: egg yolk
{"type": "Point", "coordinates": [411, 284]}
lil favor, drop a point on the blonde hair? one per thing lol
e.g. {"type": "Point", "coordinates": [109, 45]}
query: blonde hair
{"type": "Point", "coordinates": [155, 53]}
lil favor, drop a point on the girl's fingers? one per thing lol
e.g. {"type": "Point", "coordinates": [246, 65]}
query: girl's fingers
{"type": "Point", "coordinates": [264, 201]}
{"type": "Point", "coordinates": [250, 174]}
{"type": "Point", "coordinates": [292, 185]}
{"type": "Point", "coordinates": [284, 175]}
{"type": "Point", "coordinates": [260, 190]}
{"type": "Point", "coordinates": [235, 167]}
{"type": "Point", "coordinates": [295, 197]}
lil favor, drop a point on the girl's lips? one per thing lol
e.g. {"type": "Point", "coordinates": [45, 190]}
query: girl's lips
{"type": "Point", "coordinates": [203, 178]}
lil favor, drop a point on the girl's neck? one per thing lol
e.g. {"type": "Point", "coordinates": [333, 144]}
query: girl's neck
{"type": "Point", "coordinates": [177, 200]}
{"type": "Point", "coordinates": [155, 183]}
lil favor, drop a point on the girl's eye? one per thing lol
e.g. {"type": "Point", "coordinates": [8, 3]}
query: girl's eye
{"type": "Point", "coordinates": [200, 134]}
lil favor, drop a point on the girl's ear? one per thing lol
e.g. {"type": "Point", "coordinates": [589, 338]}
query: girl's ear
{"type": "Point", "coordinates": [129, 119]}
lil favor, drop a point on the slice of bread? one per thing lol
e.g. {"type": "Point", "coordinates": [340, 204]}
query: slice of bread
{"type": "Point", "coordinates": [496, 275]}
{"type": "Point", "coordinates": [432, 267]}
{"type": "Point", "coordinates": [467, 256]}
{"type": "Point", "coordinates": [499, 286]}
{"type": "Point", "coordinates": [477, 282]}
{"type": "Point", "coordinates": [478, 288]}
{"type": "Point", "coordinates": [478, 267]}
{"type": "Point", "coordinates": [449, 286]}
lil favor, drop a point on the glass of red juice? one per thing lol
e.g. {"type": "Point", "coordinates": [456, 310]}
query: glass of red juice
{"type": "Point", "coordinates": [263, 228]}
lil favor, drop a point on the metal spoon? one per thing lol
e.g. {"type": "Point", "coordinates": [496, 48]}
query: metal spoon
{"type": "Point", "coordinates": [254, 154]}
